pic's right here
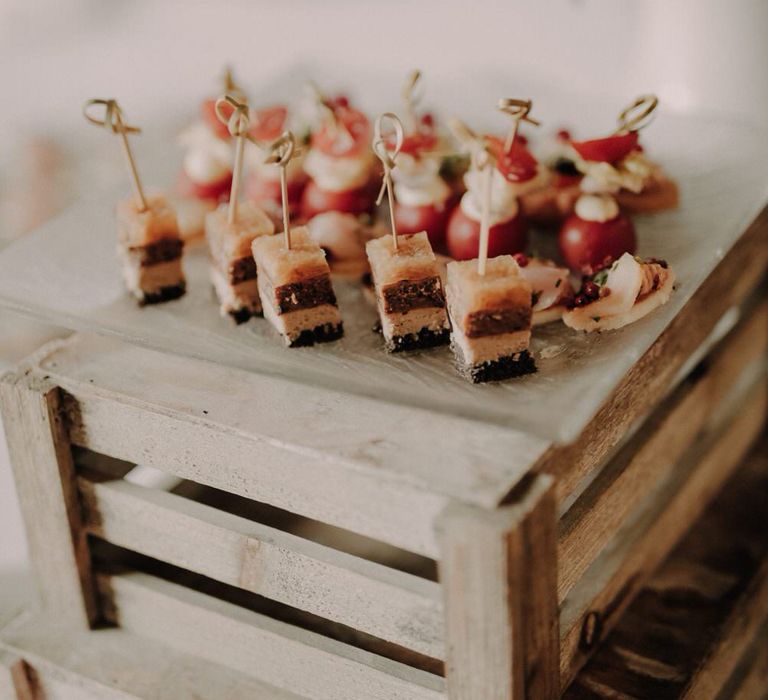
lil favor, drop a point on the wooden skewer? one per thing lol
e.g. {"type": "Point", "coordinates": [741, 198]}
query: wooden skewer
{"type": "Point", "coordinates": [388, 159]}
{"type": "Point", "coordinates": [638, 115]}
{"type": "Point", "coordinates": [484, 160]}
{"type": "Point", "coordinates": [518, 110]}
{"type": "Point", "coordinates": [485, 212]}
{"type": "Point", "coordinates": [237, 123]}
{"type": "Point", "coordinates": [410, 99]}
{"type": "Point", "coordinates": [113, 119]}
{"type": "Point", "coordinates": [281, 152]}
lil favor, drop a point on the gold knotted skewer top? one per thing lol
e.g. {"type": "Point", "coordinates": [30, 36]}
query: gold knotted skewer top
{"type": "Point", "coordinates": [388, 160]}
{"type": "Point", "coordinates": [638, 115]}
{"type": "Point", "coordinates": [281, 151]}
{"type": "Point", "coordinates": [113, 120]}
{"type": "Point", "coordinates": [230, 84]}
{"type": "Point", "coordinates": [411, 98]}
{"type": "Point", "coordinates": [518, 110]}
{"type": "Point", "coordinates": [237, 123]}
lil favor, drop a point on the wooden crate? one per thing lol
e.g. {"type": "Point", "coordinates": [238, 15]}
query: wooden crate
{"type": "Point", "coordinates": [333, 548]}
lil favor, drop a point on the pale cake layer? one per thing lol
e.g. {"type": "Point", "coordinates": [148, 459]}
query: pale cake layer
{"type": "Point", "coordinates": [397, 324]}
{"type": "Point", "coordinates": [413, 259]}
{"type": "Point", "coordinates": [489, 348]}
{"type": "Point", "coordinates": [294, 323]}
{"type": "Point", "coordinates": [147, 280]}
{"type": "Point", "coordinates": [236, 297]}
{"type": "Point", "coordinates": [139, 228]}
{"type": "Point", "coordinates": [501, 287]}
{"type": "Point", "coordinates": [230, 242]}
{"type": "Point", "coordinates": [304, 260]}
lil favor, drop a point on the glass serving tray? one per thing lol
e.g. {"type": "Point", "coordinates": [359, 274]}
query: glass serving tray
{"type": "Point", "coordinates": [67, 273]}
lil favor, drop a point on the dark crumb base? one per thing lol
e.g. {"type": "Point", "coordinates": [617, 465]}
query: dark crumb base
{"type": "Point", "coordinates": [504, 368]}
{"type": "Point", "coordinates": [165, 294]}
{"type": "Point", "coordinates": [319, 334]}
{"type": "Point", "coordinates": [425, 338]}
{"type": "Point", "coordinates": [242, 315]}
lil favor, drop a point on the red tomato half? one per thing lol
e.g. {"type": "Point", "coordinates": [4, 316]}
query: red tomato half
{"type": "Point", "coordinates": [431, 218]}
{"type": "Point", "coordinates": [609, 149]}
{"type": "Point", "coordinates": [211, 119]}
{"type": "Point", "coordinates": [418, 142]}
{"type": "Point", "coordinates": [351, 135]}
{"type": "Point", "coordinates": [218, 190]}
{"type": "Point", "coordinates": [262, 189]}
{"type": "Point", "coordinates": [267, 124]}
{"type": "Point", "coordinates": [587, 246]}
{"type": "Point", "coordinates": [518, 165]}
{"type": "Point", "coordinates": [316, 201]}
{"type": "Point", "coordinates": [463, 236]}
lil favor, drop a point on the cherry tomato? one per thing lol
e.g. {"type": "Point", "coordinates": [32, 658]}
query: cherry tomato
{"type": "Point", "coordinates": [316, 201]}
{"type": "Point", "coordinates": [463, 236]}
{"type": "Point", "coordinates": [218, 190]}
{"type": "Point", "coordinates": [418, 142]}
{"type": "Point", "coordinates": [263, 189]}
{"type": "Point", "coordinates": [561, 180]}
{"type": "Point", "coordinates": [348, 135]}
{"type": "Point", "coordinates": [587, 246]}
{"type": "Point", "coordinates": [267, 124]}
{"type": "Point", "coordinates": [517, 165]}
{"type": "Point", "coordinates": [608, 150]}
{"type": "Point", "coordinates": [431, 218]}
{"type": "Point", "coordinates": [212, 120]}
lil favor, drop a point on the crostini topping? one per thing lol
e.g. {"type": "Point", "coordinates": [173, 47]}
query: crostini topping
{"type": "Point", "coordinates": [596, 207]}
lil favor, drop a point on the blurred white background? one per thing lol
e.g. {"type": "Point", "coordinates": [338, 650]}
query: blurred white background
{"type": "Point", "coordinates": [161, 58]}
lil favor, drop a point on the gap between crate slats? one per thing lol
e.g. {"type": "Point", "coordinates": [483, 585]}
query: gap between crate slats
{"type": "Point", "coordinates": [615, 577]}
{"type": "Point", "coordinates": [392, 605]}
{"type": "Point", "coordinates": [285, 656]}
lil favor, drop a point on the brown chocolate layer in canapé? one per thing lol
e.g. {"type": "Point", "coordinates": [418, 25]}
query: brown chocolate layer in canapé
{"type": "Point", "coordinates": [242, 270]}
{"type": "Point", "coordinates": [163, 250]}
{"type": "Point", "coordinates": [478, 324]}
{"type": "Point", "coordinates": [306, 294]}
{"type": "Point", "coordinates": [413, 294]}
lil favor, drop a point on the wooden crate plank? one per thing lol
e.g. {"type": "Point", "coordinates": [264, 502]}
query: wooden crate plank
{"type": "Point", "coordinates": [597, 602]}
{"type": "Point", "coordinates": [700, 622]}
{"type": "Point", "coordinates": [389, 604]}
{"type": "Point", "coordinates": [651, 454]}
{"type": "Point", "coordinates": [282, 655]}
{"type": "Point", "coordinates": [112, 664]}
{"type": "Point", "coordinates": [43, 470]}
{"type": "Point", "coordinates": [498, 572]}
{"type": "Point", "coordinates": [394, 512]}
{"type": "Point", "coordinates": [746, 619]}
{"type": "Point", "coordinates": [479, 463]}
{"type": "Point", "coordinates": [733, 279]}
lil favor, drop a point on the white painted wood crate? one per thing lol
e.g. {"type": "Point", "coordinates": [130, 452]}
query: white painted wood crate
{"type": "Point", "coordinates": [396, 553]}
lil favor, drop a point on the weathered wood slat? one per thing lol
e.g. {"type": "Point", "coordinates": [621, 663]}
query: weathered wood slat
{"type": "Point", "coordinates": [290, 658]}
{"type": "Point", "coordinates": [746, 619]}
{"type": "Point", "coordinates": [498, 576]}
{"type": "Point", "coordinates": [380, 601]}
{"type": "Point", "coordinates": [738, 273]}
{"type": "Point", "coordinates": [45, 483]}
{"type": "Point", "coordinates": [598, 601]}
{"type": "Point", "coordinates": [391, 511]}
{"type": "Point", "coordinates": [651, 454]}
{"type": "Point", "coordinates": [293, 423]}
{"type": "Point", "coordinates": [112, 664]}
{"type": "Point", "coordinates": [699, 624]}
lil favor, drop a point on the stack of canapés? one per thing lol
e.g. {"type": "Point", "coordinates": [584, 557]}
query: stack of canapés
{"type": "Point", "coordinates": [287, 203]}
